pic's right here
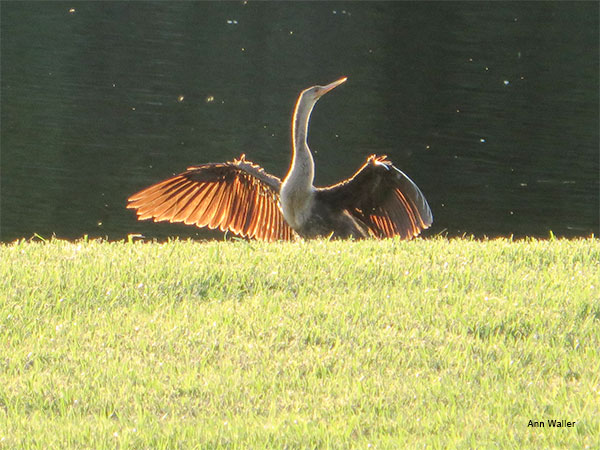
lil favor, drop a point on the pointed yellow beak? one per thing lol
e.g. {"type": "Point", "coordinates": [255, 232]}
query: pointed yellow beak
{"type": "Point", "coordinates": [325, 89]}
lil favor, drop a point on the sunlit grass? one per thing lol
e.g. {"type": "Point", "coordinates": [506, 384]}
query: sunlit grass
{"type": "Point", "coordinates": [438, 343]}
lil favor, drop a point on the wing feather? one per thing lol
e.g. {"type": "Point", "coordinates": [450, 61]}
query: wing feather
{"type": "Point", "coordinates": [204, 210]}
{"type": "Point", "coordinates": [177, 203]}
{"type": "Point", "coordinates": [213, 208]}
{"type": "Point", "coordinates": [255, 222]}
{"type": "Point", "coordinates": [187, 204]}
{"type": "Point", "coordinates": [270, 221]}
{"type": "Point", "coordinates": [154, 193]}
{"type": "Point", "coordinates": [238, 196]}
{"type": "Point", "coordinates": [196, 215]}
{"type": "Point", "coordinates": [223, 211]}
{"type": "Point", "coordinates": [238, 212]}
{"type": "Point", "coordinates": [264, 218]}
{"type": "Point", "coordinates": [410, 218]}
{"type": "Point", "coordinates": [158, 188]}
{"type": "Point", "coordinates": [162, 206]}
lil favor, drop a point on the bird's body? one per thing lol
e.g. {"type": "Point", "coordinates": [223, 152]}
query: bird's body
{"type": "Point", "coordinates": [378, 201]}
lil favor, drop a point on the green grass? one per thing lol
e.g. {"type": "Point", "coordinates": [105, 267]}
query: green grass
{"type": "Point", "coordinates": [430, 343]}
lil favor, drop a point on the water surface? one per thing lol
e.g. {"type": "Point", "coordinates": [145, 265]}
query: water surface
{"type": "Point", "coordinates": [491, 108]}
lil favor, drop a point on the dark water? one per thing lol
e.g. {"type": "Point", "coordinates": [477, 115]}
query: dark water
{"type": "Point", "coordinates": [492, 108]}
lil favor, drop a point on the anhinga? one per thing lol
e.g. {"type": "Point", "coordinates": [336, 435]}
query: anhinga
{"type": "Point", "coordinates": [378, 201]}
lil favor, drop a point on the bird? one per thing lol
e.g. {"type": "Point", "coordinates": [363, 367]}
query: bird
{"type": "Point", "coordinates": [379, 201]}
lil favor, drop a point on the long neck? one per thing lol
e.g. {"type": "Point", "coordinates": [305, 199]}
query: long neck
{"type": "Point", "coordinates": [302, 170]}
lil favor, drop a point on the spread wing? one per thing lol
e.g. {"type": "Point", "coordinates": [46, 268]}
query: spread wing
{"type": "Point", "coordinates": [238, 196]}
{"type": "Point", "coordinates": [383, 198]}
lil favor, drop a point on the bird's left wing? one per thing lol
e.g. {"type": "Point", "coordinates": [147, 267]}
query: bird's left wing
{"type": "Point", "coordinates": [383, 198]}
{"type": "Point", "coordinates": [238, 196]}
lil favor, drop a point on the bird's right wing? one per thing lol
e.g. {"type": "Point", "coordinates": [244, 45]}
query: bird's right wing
{"type": "Point", "coordinates": [238, 196]}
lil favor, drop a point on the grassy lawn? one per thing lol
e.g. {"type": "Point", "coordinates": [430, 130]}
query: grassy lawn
{"type": "Point", "coordinates": [432, 343]}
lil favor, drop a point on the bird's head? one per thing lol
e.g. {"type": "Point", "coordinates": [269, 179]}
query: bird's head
{"type": "Point", "coordinates": [312, 94]}
{"type": "Point", "coordinates": [304, 106]}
